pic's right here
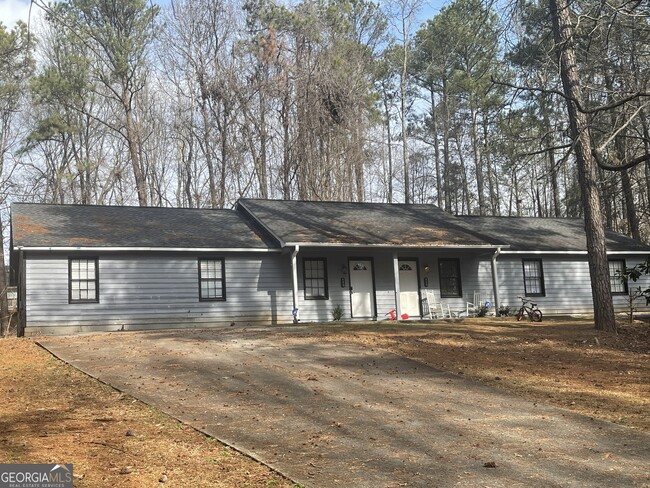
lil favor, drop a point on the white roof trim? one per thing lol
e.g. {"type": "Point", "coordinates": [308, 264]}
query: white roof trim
{"type": "Point", "coordinates": [573, 252]}
{"type": "Point", "coordinates": [389, 246]}
{"type": "Point", "coordinates": [148, 249]}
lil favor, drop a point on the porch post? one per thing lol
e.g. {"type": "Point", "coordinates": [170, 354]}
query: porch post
{"type": "Point", "coordinates": [398, 300]}
{"type": "Point", "coordinates": [294, 276]}
{"type": "Point", "coordinates": [495, 281]}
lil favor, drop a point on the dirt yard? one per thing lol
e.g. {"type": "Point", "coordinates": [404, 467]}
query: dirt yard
{"type": "Point", "coordinates": [566, 363]}
{"type": "Point", "coordinates": [52, 413]}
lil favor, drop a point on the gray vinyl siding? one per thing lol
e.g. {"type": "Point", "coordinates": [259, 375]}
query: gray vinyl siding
{"type": "Point", "coordinates": [140, 291]}
{"type": "Point", "coordinates": [566, 281]}
{"type": "Point", "coordinates": [320, 310]}
{"type": "Point", "coordinates": [473, 276]}
{"type": "Point", "coordinates": [153, 291]}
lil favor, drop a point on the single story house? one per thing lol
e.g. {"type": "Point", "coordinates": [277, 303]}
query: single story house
{"type": "Point", "coordinates": [85, 268]}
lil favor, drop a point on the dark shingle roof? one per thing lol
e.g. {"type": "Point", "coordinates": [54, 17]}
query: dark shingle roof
{"type": "Point", "coordinates": [546, 234]}
{"type": "Point", "coordinates": [340, 223]}
{"type": "Point", "coordinates": [337, 223]}
{"type": "Point", "coordinates": [39, 225]}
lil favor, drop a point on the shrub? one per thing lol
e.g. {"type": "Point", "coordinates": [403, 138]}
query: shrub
{"type": "Point", "coordinates": [337, 313]}
{"type": "Point", "coordinates": [504, 311]}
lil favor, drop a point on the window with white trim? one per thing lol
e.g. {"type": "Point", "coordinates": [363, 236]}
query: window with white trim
{"type": "Point", "coordinates": [533, 278]}
{"type": "Point", "coordinates": [83, 280]}
{"type": "Point", "coordinates": [616, 269]}
{"type": "Point", "coordinates": [212, 279]}
{"type": "Point", "coordinates": [314, 272]}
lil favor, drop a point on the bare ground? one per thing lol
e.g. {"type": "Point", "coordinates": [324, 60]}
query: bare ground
{"type": "Point", "coordinates": [52, 413]}
{"type": "Point", "coordinates": [563, 362]}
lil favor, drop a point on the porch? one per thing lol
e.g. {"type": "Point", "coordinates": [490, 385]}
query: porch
{"type": "Point", "coordinates": [368, 283]}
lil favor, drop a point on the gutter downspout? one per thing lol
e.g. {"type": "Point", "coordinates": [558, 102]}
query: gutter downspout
{"type": "Point", "coordinates": [294, 276]}
{"type": "Point", "coordinates": [495, 281]}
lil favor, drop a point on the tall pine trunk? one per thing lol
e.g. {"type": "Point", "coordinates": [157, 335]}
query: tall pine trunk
{"type": "Point", "coordinates": [436, 148]}
{"type": "Point", "coordinates": [580, 131]}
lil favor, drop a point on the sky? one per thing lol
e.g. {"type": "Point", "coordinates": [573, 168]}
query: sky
{"type": "Point", "coordinates": [13, 10]}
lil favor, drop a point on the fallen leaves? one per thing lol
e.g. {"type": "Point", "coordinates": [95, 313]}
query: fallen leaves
{"type": "Point", "coordinates": [111, 438]}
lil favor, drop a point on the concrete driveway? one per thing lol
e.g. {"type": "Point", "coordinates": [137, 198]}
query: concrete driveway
{"type": "Point", "coordinates": [331, 415]}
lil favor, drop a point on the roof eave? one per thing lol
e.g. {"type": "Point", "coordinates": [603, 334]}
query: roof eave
{"type": "Point", "coordinates": [144, 249]}
{"type": "Point", "coordinates": [575, 251]}
{"type": "Point", "coordinates": [399, 246]}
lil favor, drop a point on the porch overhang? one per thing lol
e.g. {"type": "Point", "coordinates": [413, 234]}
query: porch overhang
{"type": "Point", "coordinates": [390, 246]}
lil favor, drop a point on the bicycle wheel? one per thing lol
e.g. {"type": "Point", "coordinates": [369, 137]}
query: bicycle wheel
{"type": "Point", "coordinates": [520, 314]}
{"type": "Point", "coordinates": [536, 315]}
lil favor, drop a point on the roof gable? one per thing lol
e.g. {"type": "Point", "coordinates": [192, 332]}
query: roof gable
{"type": "Point", "coordinates": [362, 224]}
{"type": "Point", "coordinates": [81, 226]}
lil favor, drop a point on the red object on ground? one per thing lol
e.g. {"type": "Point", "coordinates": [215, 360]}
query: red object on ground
{"type": "Point", "coordinates": [393, 314]}
{"type": "Point", "coordinates": [405, 316]}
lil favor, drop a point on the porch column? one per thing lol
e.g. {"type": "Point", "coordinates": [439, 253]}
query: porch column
{"type": "Point", "coordinates": [398, 300]}
{"type": "Point", "coordinates": [495, 281]}
{"type": "Point", "coordinates": [294, 276]}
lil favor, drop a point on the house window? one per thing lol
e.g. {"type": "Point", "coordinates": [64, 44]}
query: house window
{"type": "Point", "coordinates": [533, 278]}
{"type": "Point", "coordinates": [616, 268]}
{"type": "Point", "coordinates": [83, 280]}
{"type": "Point", "coordinates": [449, 270]}
{"type": "Point", "coordinates": [315, 279]}
{"type": "Point", "coordinates": [212, 279]}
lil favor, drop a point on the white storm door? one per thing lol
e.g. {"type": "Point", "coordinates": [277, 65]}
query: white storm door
{"type": "Point", "coordinates": [362, 293]}
{"type": "Point", "coordinates": [408, 285]}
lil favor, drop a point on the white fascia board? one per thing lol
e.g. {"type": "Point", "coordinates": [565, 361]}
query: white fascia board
{"type": "Point", "coordinates": [146, 249]}
{"type": "Point", "coordinates": [262, 224]}
{"type": "Point", "coordinates": [393, 246]}
{"type": "Point", "coordinates": [583, 253]}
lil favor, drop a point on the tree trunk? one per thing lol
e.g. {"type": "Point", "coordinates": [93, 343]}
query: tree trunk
{"type": "Point", "coordinates": [5, 319]}
{"type": "Point", "coordinates": [628, 196]}
{"type": "Point", "coordinates": [646, 147]}
{"type": "Point", "coordinates": [133, 141]}
{"type": "Point", "coordinates": [491, 175]}
{"type": "Point", "coordinates": [390, 150]}
{"type": "Point", "coordinates": [466, 201]}
{"type": "Point", "coordinates": [405, 150]}
{"type": "Point", "coordinates": [402, 89]}
{"type": "Point", "coordinates": [223, 170]}
{"type": "Point", "coordinates": [286, 146]}
{"type": "Point", "coordinates": [445, 146]}
{"type": "Point", "coordinates": [548, 144]}
{"type": "Point", "coordinates": [207, 150]}
{"type": "Point", "coordinates": [595, 231]}
{"type": "Point", "coordinates": [478, 164]}
{"type": "Point", "coordinates": [436, 149]}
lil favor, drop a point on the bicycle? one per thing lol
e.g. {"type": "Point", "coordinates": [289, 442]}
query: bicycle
{"type": "Point", "coordinates": [529, 308]}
